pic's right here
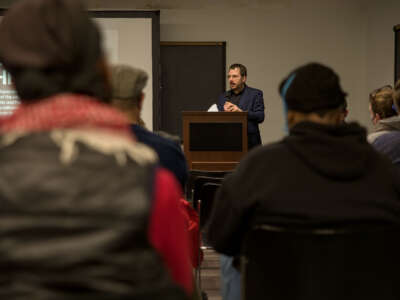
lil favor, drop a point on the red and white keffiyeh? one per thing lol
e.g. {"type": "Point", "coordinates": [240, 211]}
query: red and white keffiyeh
{"type": "Point", "coordinates": [65, 111]}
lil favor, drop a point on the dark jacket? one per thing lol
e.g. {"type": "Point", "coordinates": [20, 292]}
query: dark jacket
{"type": "Point", "coordinates": [386, 138]}
{"type": "Point", "coordinates": [384, 126]}
{"type": "Point", "coordinates": [318, 175]}
{"type": "Point", "coordinates": [170, 155]}
{"type": "Point", "coordinates": [389, 144]}
{"type": "Point", "coordinates": [251, 101]}
{"type": "Point", "coordinates": [78, 229]}
{"type": "Point", "coordinates": [76, 198]}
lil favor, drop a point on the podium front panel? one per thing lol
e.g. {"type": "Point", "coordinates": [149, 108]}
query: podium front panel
{"type": "Point", "coordinates": [215, 137]}
{"type": "Point", "coordinates": [214, 141]}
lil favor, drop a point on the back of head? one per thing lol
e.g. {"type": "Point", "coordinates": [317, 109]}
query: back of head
{"type": "Point", "coordinates": [312, 88]}
{"type": "Point", "coordinates": [381, 101]}
{"type": "Point", "coordinates": [51, 47]}
{"type": "Point", "coordinates": [127, 85]}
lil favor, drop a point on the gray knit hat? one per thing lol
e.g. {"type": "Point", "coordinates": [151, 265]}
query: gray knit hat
{"type": "Point", "coordinates": [127, 82]}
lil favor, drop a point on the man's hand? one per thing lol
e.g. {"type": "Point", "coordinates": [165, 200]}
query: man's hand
{"type": "Point", "coordinates": [228, 106]}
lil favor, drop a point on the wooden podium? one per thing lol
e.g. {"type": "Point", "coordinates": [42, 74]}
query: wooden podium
{"type": "Point", "coordinates": [214, 141]}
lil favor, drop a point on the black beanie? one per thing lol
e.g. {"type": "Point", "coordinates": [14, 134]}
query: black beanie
{"type": "Point", "coordinates": [312, 87]}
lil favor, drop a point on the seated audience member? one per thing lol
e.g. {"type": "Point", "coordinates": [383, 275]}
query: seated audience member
{"type": "Point", "coordinates": [85, 211]}
{"type": "Point", "coordinates": [383, 112]}
{"type": "Point", "coordinates": [127, 86]}
{"type": "Point", "coordinates": [324, 172]}
{"type": "Point", "coordinates": [128, 96]}
{"type": "Point", "coordinates": [386, 134]}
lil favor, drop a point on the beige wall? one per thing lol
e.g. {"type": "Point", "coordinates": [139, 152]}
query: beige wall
{"type": "Point", "coordinates": [117, 34]}
{"type": "Point", "coordinates": [382, 16]}
{"type": "Point", "coordinates": [272, 37]}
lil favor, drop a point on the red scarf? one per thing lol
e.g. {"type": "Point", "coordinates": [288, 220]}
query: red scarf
{"type": "Point", "coordinates": [65, 111]}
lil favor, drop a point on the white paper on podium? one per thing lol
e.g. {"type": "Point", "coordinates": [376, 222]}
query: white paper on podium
{"type": "Point", "coordinates": [213, 107]}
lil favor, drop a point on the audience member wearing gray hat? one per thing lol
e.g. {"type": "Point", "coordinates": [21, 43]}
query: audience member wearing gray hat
{"type": "Point", "coordinates": [127, 95]}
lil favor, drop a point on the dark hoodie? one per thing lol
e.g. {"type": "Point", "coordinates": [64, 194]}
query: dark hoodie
{"type": "Point", "coordinates": [318, 175]}
{"type": "Point", "coordinates": [335, 152]}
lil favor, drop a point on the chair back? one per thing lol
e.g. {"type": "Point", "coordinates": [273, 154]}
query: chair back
{"type": "Point", "coordinates": [204, 189]}
{"type": "Point", "coordinates": [321, 263]}
{"type": "Point", "coordinates": [198, 188]}
{"type": "Point", "coordinates": [207, 195]}
{"type": "Point", "coordinates": [195, 174]}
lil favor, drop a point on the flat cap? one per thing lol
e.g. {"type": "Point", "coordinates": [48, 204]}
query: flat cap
{"type": "Point", "coordinates": [127, 82]}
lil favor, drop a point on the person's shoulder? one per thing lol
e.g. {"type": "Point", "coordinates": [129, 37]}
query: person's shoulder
{"type": "Point", "coordinates": [254, 90]}
{"type": "Point", "coordinates": [158, 143]}
{"type": "Point", "coordinates": [146, 136]}
{"type": "Point", "coordinates": [271, 148]}
{"type": "Point", "coordinates": [261, 162]}
{"type": "Point", "coordinates": [388, 142]}
{"type": "Point", "coordinates": [388, 136]}
{"type": "Point", "coordinates": [272, 152]}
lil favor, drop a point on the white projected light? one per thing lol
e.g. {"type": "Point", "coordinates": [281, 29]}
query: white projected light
{"type": "Point", "coordinates": [129, 41]}
{"type": "Point", "coordinates": [8, 97]}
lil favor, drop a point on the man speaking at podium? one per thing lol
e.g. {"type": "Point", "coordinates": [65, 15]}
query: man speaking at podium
{"type": "Point", "coordinates": [244, 98]}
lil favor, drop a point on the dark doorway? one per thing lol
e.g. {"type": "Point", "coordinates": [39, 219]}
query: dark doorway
{"type": "Point", "coordinates": [396, 30]}
{"type": "Point", "coordinates": [192, 78]}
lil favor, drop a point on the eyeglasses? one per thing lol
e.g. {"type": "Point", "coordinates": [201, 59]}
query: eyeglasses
{"type": "Point", "coordinates": [387, 87]}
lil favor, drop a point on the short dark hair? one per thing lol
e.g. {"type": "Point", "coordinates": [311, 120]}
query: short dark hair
{"type": "Point", "coordinates": [381, 101]}
{"type": "Point", "coordinates": [242, 68]}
